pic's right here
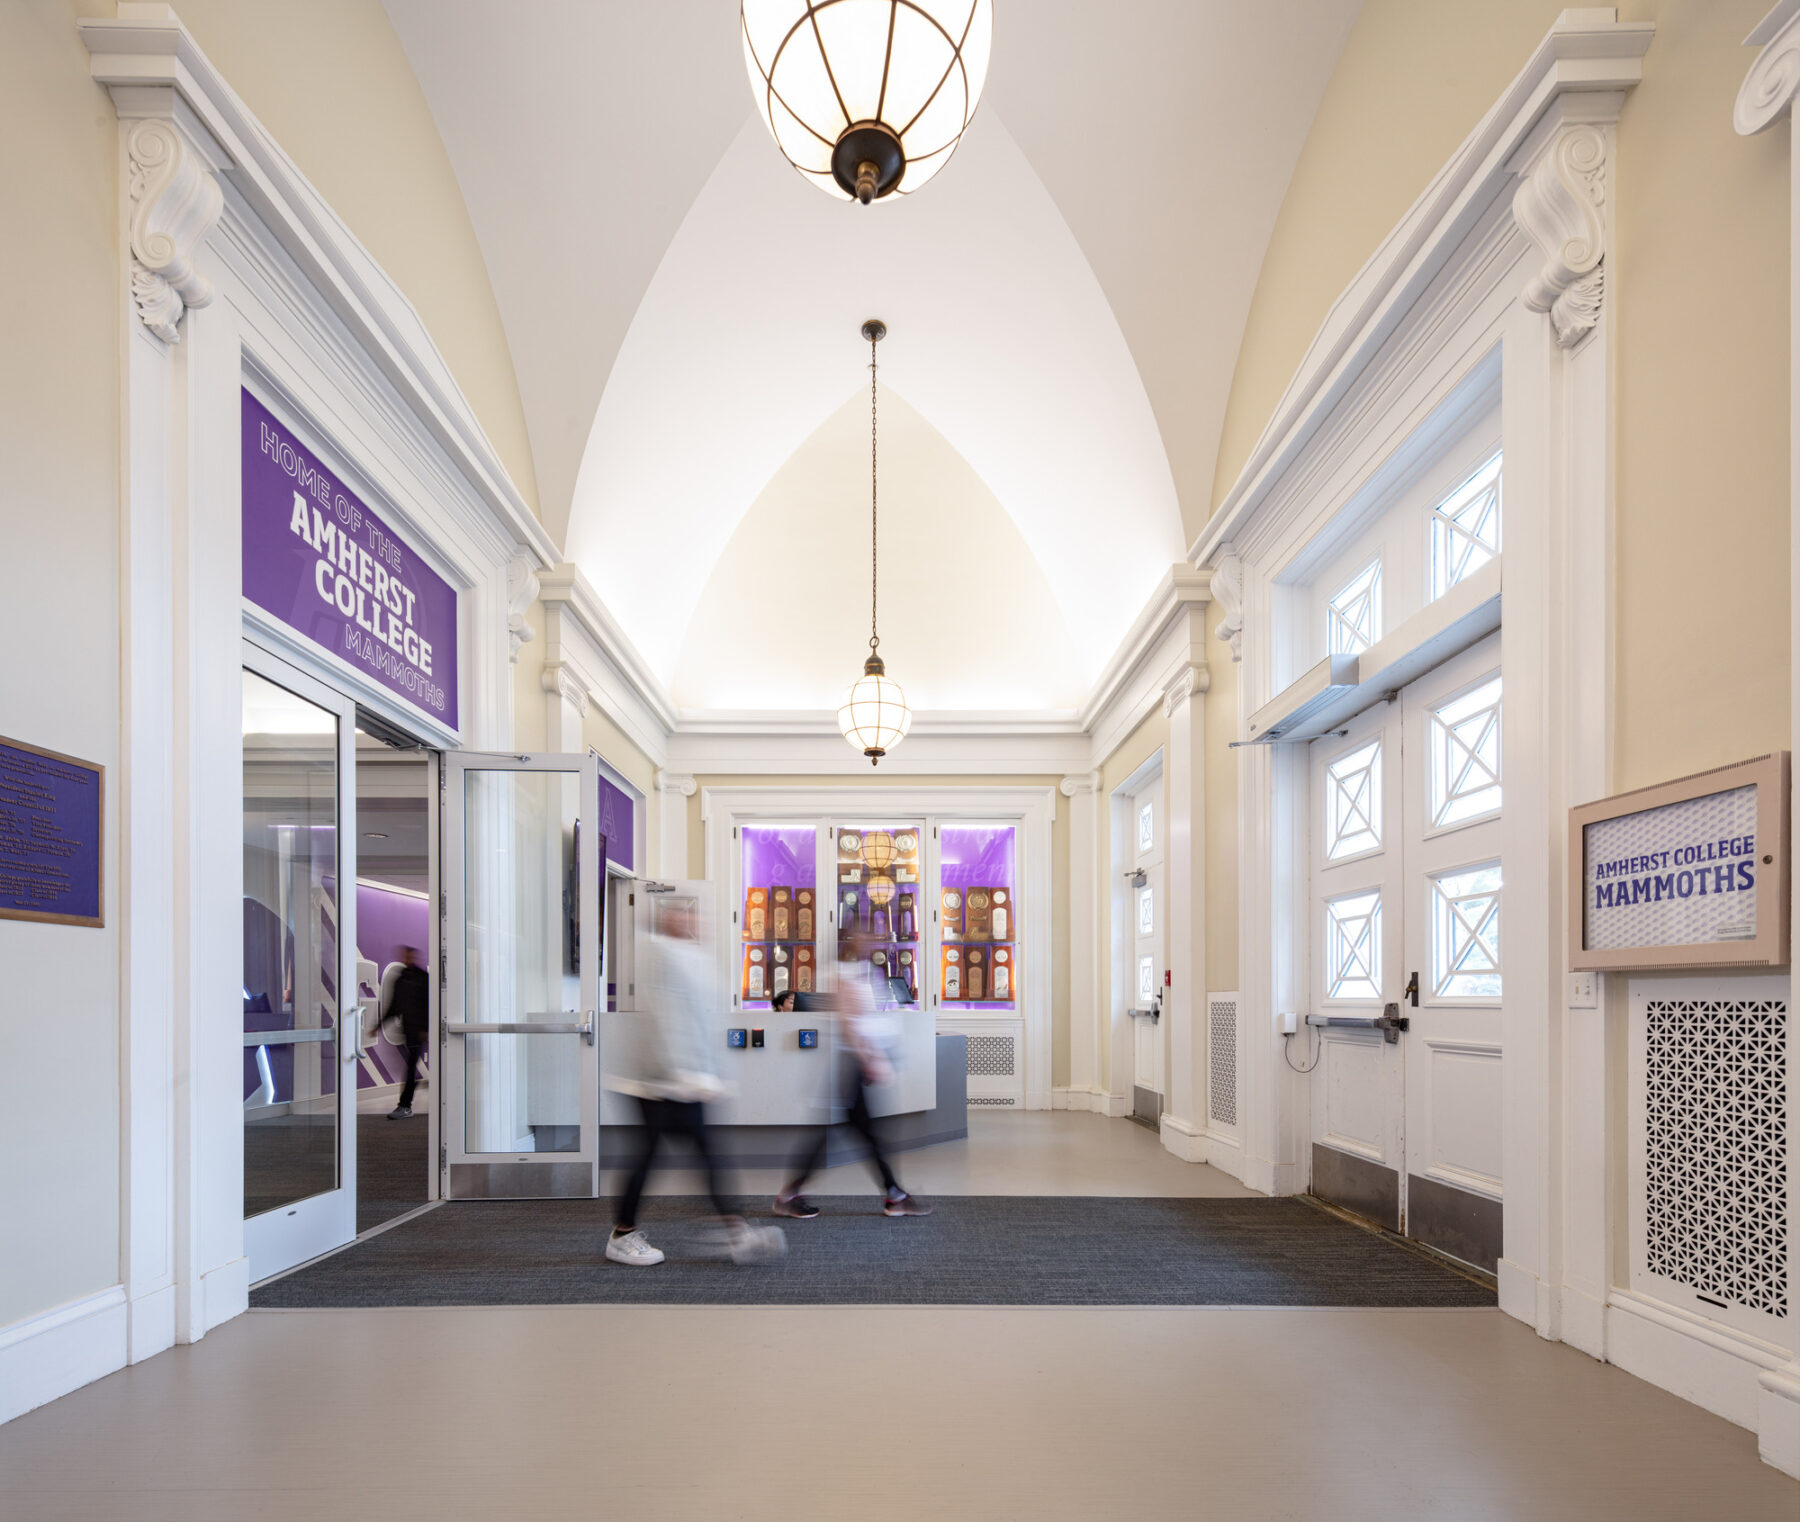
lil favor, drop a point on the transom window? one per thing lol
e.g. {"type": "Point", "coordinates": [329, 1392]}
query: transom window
{"type": "Point", "coordinates": [1464, 738]}
{"type": "Point", "coordinates": [1146, 827]}
{"type": "Point", "coordinates": [1465, 528]}
{"type": "Point", "coordinates": [1465, 933]}
{"type": "Point", "coordinates": [1353, 616]}
{"type": "Point", "coordinates": [1353, 946]}
{"type": "Point", "coordinates": [1353, 803]}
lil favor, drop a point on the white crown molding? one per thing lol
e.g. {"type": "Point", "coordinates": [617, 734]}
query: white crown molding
{"type": "Point", "coordinates": [1586, 54]}
{"type": "Point", "coordinates": [521, 593]}
{"type": "Point", "coordinates": [174, 203]}
{"type": "Point", "coordinates": [1560, 205]}
{"type": "Point", "coordinates": [156, 71]}
{"type": "Point", "coordinates": [581, 631]}
{"type": "Point", "coordinates": [1774, 79]}
{"type": "Point", "coordinates": [1181, 590]}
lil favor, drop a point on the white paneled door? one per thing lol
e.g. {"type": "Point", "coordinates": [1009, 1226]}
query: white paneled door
{"type": "Point", "coordinates": [1408, 914]}
{"type": "Point", "coordinates": [1147, 912]}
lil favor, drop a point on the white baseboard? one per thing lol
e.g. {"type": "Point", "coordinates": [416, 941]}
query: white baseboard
{"type": "Point", "coordinates": [152, 1321]}
{"type": "Point", "coordinates": [1702, 1362]}
{"type": "Point", "coordinates": [1183, 1140]}
{"type": "Point", "coordinates": [1778, 1418]}
{"type": "Point", "coordinates": [1226, 1153]}
{"type": "Point", "coordinates": [1079, 1097]}
{"type": "Point", "coordinates": [225, 1292]}
{"type": "Point", "coordinates": [1117, 1106]}
{"type": "Point", "coordinates": [46, 1356]}
{"type": "Point", "coordinates": [1038, 1099]}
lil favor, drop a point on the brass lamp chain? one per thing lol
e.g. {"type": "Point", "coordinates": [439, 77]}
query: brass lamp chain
{"type": "Point", "coordinates": [874, 536]}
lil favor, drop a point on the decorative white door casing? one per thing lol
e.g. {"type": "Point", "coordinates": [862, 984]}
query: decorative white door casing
{"type": "Point", "coordinates": [1146, 910]}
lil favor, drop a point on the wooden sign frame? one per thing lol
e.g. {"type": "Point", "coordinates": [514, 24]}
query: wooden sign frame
{"type": "Point", "coordinates": [1769, 948]}
{"type": "Point", "coordinates": [97, 920]}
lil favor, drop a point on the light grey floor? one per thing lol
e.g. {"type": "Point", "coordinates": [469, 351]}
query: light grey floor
{"type": "Point", "coordinates": [1057, 1152]}
{"type": "Point", "coordinates": [677, 1412]}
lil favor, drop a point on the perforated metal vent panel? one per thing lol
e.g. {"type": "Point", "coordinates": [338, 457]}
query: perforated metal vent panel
{"type": "Point", "coordinates": [1221, 1054]}
{"type": "Point", "coordinates": [991, 1056]}
{"type": "Point", "coordinates": [1715, 1148]}
{"type": "Point", "coordinates": [986, 1099]}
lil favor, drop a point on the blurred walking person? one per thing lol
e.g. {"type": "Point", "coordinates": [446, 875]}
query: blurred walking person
{"type": "Point", "coordinates": [406, 1015]}
{"type": "Point", "coordinates": [665, 1062]}
{"type": "Point", "coordinates": [868, 1034]}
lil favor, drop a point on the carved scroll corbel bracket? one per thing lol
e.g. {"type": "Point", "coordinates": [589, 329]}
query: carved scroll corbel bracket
{"type": "Point", "coordinates": [174, 203]}
{"type": "Point", "coordinates": [1560, 205]}
{"type": "Point", "coordinates": [1186, 682]}
{"type": "Point", "coordinates": [1228, 592]}
{"type": "Point", "coordinates": [1080, 784]}
{"type": "Point", "coordinates": [563, 683]}
{"type": "Point", "coordinates": [521, 593]}
{"type": "Point", "coordinates": [676, 784]}
{"type": "Point", "coordinates": [1773, 81]}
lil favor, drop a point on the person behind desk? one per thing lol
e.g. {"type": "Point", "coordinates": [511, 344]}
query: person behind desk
{"type": "Point", "coordinates": [409, 1004]}
{"type": "Point", "coordinates": [869, 1036]}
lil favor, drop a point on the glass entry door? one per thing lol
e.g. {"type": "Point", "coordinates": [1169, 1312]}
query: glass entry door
{"type": "Point", "coordinates": [301, 1019]}
{"type": "Point", "coordinates": [521, 950]}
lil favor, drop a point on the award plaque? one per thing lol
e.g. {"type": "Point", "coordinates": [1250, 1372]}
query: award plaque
{"type": "Point", "coordinates": [979, 926]}
{"type": "Point", "coordinates": [784, 914]}
{"type": "Point", "coordinates": [803, 970]}
{"type": "Point", "coordinates": [952, 915]}
{"type": "Point", "coordinates": [803, 914]}
{"type": "Point", "coordinates": [907, 972]}
{"type": "Point", "coordinates": [906, 919]}
{"type": "Point", "coordinates": [847, 911]}
{"type": "Point", "coordinates": [1002, 916]}
{"type": "Point", "coordinates": [952, 973]}
{"type": "Point", "coordinates": [1003, 973]}
{"type": "Point", "coordinates": [756, 912]}
{"type": "Point", "coordinates": [754, 973]}
{"type": "Point", "coordinates": [850, 846]}
{"type": "Point", "coordinates": [781, 970]}
{"type": "Point", "coordinates": [976, 971]}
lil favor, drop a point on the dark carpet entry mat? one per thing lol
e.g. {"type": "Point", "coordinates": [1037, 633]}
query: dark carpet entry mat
{"type": "Point", "coordinates": [975, 1250]}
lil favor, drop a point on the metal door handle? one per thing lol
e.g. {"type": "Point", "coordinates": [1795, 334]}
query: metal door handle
{"type": "Point", "coordinates": [584, 1028]}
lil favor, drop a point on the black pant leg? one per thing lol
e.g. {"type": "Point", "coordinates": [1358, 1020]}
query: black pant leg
{"type": "Point", "coordinates": [414, 1052]}
{"type": "Point", "coordinates": [651, 1112]}
{"type": "Point", "coordinates": [692, 1120]}
{"type": "Point", "coordinates": [864, 1124]}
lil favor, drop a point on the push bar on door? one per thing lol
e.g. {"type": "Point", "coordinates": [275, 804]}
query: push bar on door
{"type": "Point", "coordinates": [584, 1028]}
{"type": "Point", "coordinates": [1390, 1022]}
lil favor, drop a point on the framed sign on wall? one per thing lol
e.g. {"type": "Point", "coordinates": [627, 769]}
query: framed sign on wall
{"type": "Point", "coordinates": [52, 836]}
{"type": "Point", "coordinates": [1690, 873]}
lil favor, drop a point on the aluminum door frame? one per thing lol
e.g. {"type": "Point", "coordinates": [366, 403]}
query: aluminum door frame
{"type": "Point", "coordinates": [288, 1235]}
{"type": "Point", "coordinates": [514, 1175]}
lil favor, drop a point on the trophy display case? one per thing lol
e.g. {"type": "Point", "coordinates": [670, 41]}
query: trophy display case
{"type": "Point", "coordinates": [881, 901]}
{"type": "Point", "coordinates": [778, 921]}
{"type": "Point", "coordinates": [978, 917]}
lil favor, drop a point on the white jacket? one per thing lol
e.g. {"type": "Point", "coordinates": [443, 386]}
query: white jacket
{"type": "Point", "coordinates": [662, 1049]}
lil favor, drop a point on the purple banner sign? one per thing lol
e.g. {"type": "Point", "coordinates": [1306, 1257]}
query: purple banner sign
{"type": "Point", "coordinates": [51, 813]}
{"type": "Point", "coordinates": [616, 824]}
{"type": "Point", "coordinates": [319, 560]}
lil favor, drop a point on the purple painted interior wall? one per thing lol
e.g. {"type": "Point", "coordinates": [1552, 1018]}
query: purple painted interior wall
{"type": "Point", "coordinates": [386, 920]}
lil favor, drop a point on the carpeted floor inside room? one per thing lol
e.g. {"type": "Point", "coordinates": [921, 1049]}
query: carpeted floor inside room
{"type": "Point", "coordinates": [975, 1250]}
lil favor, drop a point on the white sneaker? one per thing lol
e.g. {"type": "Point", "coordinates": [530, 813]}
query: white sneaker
{"type": "Point", "coordinates": [756, 1244]}
{"type": "Point", "coordinates": [633, 1249]}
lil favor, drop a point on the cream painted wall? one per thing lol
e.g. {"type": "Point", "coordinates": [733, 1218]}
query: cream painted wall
{"type": "Point", "coordinates": [1059, 869]}
{"type": "Point", "coordinates": [968, 620]}
{"type": "Point", "coordinates": [1151, 736]}
{"type": "Point", "coordinates": [59, 515]}
{"type": "Point", "coordinates": [530, 723]}
{"type": "Point", "coordinates": [331, 82]}
{"type": "Point", "coordinates": [1698, 282]}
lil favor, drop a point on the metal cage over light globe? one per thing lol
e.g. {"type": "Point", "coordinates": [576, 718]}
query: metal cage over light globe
{"type": "Point", "coordinates": [867, 98]}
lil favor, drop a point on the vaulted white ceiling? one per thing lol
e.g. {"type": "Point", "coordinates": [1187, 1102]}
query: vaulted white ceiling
{"type": "Point", "coordinates": [1065, 303]}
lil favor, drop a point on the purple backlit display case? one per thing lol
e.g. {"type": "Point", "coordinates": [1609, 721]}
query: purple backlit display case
{"type": "Point", "coordinates": [881, 900]}
{"type": "Point", "coordinates": [779, 920]}
{"type": "Point", "coordinates": [978, 915]}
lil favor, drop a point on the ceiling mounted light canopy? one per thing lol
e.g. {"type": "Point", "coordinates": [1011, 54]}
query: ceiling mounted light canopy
{"type": "Point", "coordinates": [875, 718]}
{"type": "Point", "coordinates": [867, 98]}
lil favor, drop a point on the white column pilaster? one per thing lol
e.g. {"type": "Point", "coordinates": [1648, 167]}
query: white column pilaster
{"type": "Point", "coordinates": [672, 836]}
{"type": "Point", "coordinates": [1087, 912]}
{"type": "Point", "coordinates": [566, 697]}
{"type": "Point", "coordinates": [1184, 1001]}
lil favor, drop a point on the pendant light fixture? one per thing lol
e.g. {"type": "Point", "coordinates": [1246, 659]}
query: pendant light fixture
{"type": "Point", "coordinates": [867, 98]}
{"type": "Point", "coordinates": [875, 718]}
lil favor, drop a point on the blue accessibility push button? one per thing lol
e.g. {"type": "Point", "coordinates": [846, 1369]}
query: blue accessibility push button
{"type": "Point", "coordinates": [737, 1038]}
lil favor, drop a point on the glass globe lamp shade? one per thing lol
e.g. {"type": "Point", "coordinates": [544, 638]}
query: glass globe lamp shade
{"type": "Point", "coordinates": [881, 889]}
{"type": "Point", "coordinates": [878, 850]}
{"type": "Point", "coordinates": [867, 98]}
{"type": "Point", "coordinates": [876, 718]}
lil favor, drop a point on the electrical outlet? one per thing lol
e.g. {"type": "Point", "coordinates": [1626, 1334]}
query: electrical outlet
{"type": "Point", "coordinates": [1290, 1023]}
{"type": "Point", "coordinates": [1584, 990]}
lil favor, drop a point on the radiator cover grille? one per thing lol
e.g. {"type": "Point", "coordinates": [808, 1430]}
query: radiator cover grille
{"type": "Point", "coordinates": [1221, 1058]}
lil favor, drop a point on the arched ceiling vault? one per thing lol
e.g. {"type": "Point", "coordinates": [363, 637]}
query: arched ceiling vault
{"type": "Point", "coordinates": [1065, 302]}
